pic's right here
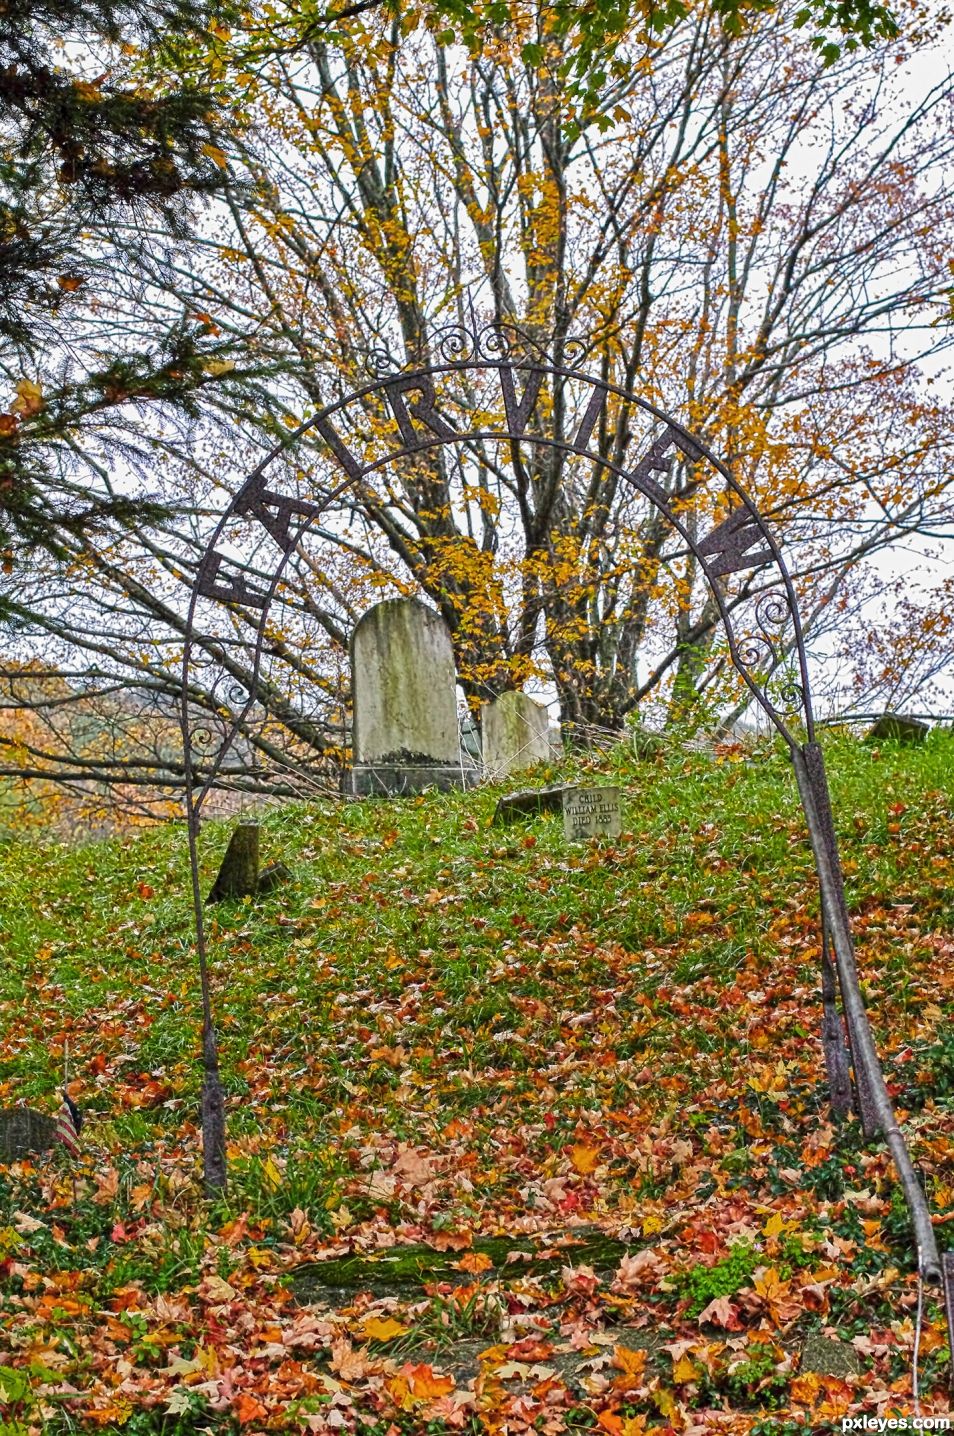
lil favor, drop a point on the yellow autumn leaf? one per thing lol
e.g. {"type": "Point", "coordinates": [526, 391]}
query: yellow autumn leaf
{"type": "Point", "coordinates": [378, 1328]}
{"type": "Point", "coordinates": [776, 1225]}
{"type": "Point", "coordinates": [665, 1401]}
{"type": "Point", "coordinates": [769, 1285]}
{"type": "Point", "coordinates": [683, 1371]}
{"type": "Point", "coordinates": [29, 398]}
{"type": "Point", "coordinates": [584, 1159]}
{"type": "Point", "coordinates": [271, 1174]}
{"type": "Point", "coordinates": [217, 156]}
{"type": "Point", "coordinates": [632, 1363]}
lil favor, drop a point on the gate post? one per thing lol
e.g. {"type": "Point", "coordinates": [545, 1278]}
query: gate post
{"type": "Point", "coordinates": [877, 1113]}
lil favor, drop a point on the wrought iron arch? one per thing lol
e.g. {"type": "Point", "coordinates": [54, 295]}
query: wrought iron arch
{"type": "Point", "coordinates": [742, 540]}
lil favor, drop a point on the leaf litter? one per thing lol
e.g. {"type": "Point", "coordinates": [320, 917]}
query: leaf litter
{"type": "Point", "coordinates": [522, 1137]}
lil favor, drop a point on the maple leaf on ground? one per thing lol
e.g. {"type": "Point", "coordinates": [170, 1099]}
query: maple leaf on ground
{"type": "Point", "coordinates": [411, 1168]}
{"type": "Point", "coordinates": [631, 1365]}
{"type": "Point", "coordinates": [347, 1363]}
{"type": "Point", "coordinates": [215, 1291]}
{"type": "Point", "coordinates": [248, 1409]}
{"type": "Point", "coordinates": [618, 1425]}
{"type": "Point", "coordinates": [474, 1263]}
{"type": "Point", "coordinates": [636, 1269]}
{"type": "Point", "coordinates": [416, 1383]}
{"type": "Point", "coordinates": [454, 1242]}
{"type": "Point", "coordinates": [378, 1328]}
{"type": "Point", "coordinates": [721, 1312]}
{"type": "Point", "coordinates": [684, 1371]}
{"type": "Point", "coordinates": [584, 1159]}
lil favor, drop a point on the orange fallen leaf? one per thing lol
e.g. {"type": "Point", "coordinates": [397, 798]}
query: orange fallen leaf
{"type": "Point", "coordinates": [474, 1262]}
{"type": "Point", "coordinates": [584, 1159]}
{"type": "Point", "coordinates": [631, 1363]}
{"type": "Point", "coordinates": [247, 1409]}
{"type": "Point", "coordinates": [63, 1305]}
{"type": "Point", "coordinates": [424, 1383]}
{"type": "Point", "coordinates": [452, 1241]}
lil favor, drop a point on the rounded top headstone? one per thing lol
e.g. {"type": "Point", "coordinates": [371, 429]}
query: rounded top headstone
{"type": "Point", "coordinates": [404, 685]}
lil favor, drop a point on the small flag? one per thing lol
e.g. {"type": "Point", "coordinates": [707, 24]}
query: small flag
{"type": "Point", "coordinates": [69, 1120]}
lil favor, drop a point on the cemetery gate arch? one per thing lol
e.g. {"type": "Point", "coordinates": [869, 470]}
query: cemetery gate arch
{"type": "Point", "coordinates": [493, 387]}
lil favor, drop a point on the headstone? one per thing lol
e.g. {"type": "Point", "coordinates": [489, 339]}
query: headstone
{"type": "Point", "coordinates": [24, 1132]}
{"type": "Point", "coordinates": [515, 733]}
{"type": "Point", "coordinates": [403, 683]}
{"type": "Point", "coordinates": [529, 801]}
{"type": "Point", "coordinates": [896, 726]}
{"type": "Point", "coordinates": [591, 813]}
{"type": "Point", "coordinates": [238, 875]}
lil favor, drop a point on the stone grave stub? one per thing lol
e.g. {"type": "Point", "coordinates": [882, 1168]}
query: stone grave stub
{"type": "Point", "coordinates": [403, 683]}
{"type": "Point", "coordinates": [515, 733]}
{"type": "Point", "coordinates": [896, 726]}
{"type": "Point", "coordinates": [24, 1132]}
{"type": "Point", "coordinates": [591, 813]}
{"type": "Point", "coordinates": [529, 801]}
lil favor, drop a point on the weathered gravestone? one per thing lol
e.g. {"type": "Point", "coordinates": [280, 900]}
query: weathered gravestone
{"type": "Point", "coordinates": [528, 802]}
{"type": "Point", "coordinates": [240, 874]}
{"type": "Point", "coordinates": [403, 684]}
{"type": "Point", "coordinates": [896, 726]}
{"type": "Point", "coordinates": [591, 813]}
{"type": "Point", "coordinates": [515, 734]}
{"type": "Point", "coordinates": [24, 1132]}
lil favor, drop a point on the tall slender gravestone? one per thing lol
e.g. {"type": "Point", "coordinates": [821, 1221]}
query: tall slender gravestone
{"type": "Point", "coordinates": [403, 685]}
{"type": "Point", "coordinates": [515, 733]}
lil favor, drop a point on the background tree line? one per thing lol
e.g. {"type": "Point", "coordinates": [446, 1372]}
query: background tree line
{"type": "Point", "coordinates": [752, 240]}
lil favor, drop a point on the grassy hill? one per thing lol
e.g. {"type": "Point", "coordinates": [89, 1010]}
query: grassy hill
{"type": "Point", "coordinates": [477, 1042]}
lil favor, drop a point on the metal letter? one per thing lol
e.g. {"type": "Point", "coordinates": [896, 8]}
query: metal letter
{"type": "Point", "coordinates": [518, 414]}
{"type": "Point", "coordinates": [593, 410]}
{"type": "Point", "coordinates": [729, 544]}
{"type": "Point", "coordinates": [422, 409]}
{"type": "Point", "coordinates": [343, 454]}
{"type": "Point", "coordinates": [275, 512]}
{"type": "Point", "coordinates": [228, 588]}
{"type": "Point", "coordinates": [659, 461]}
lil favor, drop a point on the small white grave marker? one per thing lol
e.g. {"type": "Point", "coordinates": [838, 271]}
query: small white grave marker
{"type": "Point", "coordinates": [591, 813]}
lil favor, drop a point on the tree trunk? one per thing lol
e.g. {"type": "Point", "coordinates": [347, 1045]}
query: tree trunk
{"type": "Point", "coordinates": [213, 1118]}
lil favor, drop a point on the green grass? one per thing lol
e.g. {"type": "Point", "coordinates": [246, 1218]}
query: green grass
{"type": "Point", "coordinates": [426, 906]}
{"type": "Point", "coordinates": [493, 999]}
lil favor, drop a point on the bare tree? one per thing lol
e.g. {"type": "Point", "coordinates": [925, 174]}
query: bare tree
{"type": "Point", "coordinates": [754, 244]}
